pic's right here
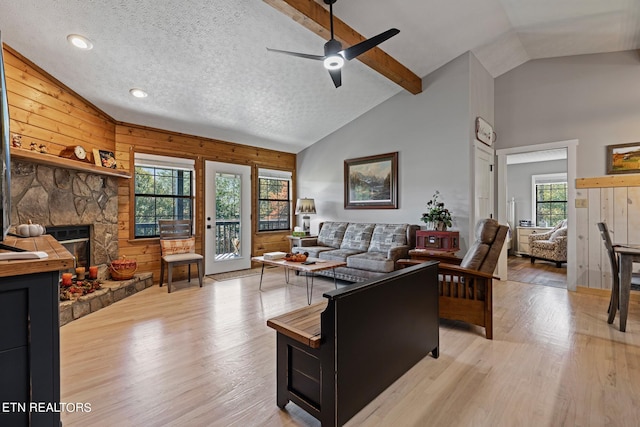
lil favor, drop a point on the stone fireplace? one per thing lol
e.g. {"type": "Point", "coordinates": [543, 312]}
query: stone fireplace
{"type": "Point", "coordinates": [80, 209]}
{"type": "Point", "coordinates": [55, 197]}
{"type": "Point", "coordinates": [76, 239]}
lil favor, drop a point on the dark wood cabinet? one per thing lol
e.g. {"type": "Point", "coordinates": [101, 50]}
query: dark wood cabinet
{"type": "Point", "coordinates": [448, 241]}
{"type": "Point", "coordinates": [30, 338]}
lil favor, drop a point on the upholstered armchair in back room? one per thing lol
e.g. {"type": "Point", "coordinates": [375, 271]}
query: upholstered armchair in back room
{"type": "Point", "coordinates": [550, 246]}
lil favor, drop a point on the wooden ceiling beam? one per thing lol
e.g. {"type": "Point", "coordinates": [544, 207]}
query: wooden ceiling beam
{"type": "Point", "coordinates": [316, 18]}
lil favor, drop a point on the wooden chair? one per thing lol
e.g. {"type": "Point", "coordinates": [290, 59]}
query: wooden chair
{"type": "Point", "coordinates": [466, 291]}
{"type": "Point", "coordinates": [178, 248]}
{"type": "Point", "coordinates": [615, 273]}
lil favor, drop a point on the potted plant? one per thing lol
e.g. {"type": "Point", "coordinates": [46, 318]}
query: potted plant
{"type": "Point", "coordinates": [437, 216]}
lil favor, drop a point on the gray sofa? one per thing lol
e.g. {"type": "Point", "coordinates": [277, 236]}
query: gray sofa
{"type": "Point", "coordinates": [370, 250]}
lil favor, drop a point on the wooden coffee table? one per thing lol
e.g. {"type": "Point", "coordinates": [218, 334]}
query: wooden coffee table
{"type": "Point", "coordinates": [307, 269]}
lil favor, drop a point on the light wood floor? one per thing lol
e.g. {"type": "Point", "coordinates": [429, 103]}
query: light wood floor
{"type": "Point", "coordinates": [540, 273]}
{"type": "Point", "coordinates": [205, 357]}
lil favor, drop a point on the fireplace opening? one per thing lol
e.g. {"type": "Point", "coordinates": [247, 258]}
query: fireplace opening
{"type": "Point", "coordinates": [75, 238]}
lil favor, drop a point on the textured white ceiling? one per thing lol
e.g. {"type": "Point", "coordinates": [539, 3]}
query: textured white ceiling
{"type": "Point", "coordinates": [207, 70]}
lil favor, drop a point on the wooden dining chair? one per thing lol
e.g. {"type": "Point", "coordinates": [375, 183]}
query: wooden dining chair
{"type": "Point", "coordinates": [615, 272]}
{"type": "Point", "coordinates": [178, 248]}
{"type": "Point", "coordinates": [615, 276]}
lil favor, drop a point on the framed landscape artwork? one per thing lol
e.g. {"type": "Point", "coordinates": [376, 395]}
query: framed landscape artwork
{"type": "Point", "coordinates": [371, 182]}
{"type": "Point", "coordinates": [623, 158]}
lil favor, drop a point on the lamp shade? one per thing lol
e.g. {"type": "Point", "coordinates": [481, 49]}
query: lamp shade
{"type": "Point", "coordinates": [305, 206]}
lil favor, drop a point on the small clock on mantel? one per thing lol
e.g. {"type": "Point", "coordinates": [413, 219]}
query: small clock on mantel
{"type": "Point", "coordinates": [75, 152]}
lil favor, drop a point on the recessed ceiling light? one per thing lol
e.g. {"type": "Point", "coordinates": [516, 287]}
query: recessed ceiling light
{"type": "Point", "coordinates": [138, 93]}
{"type": "Point", "coordinates": [80, 42]}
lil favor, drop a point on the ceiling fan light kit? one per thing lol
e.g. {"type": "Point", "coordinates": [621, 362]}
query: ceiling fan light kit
{"type": "Point", "coordinates": [334, 62]}
{"type": "Point", "coordinates": [334, 55]}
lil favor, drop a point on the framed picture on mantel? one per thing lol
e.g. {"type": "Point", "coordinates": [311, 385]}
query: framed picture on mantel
{"type": "Point", "coordinates": [371, 182]}
{"type": "Point", "coordinates": [104, 158]}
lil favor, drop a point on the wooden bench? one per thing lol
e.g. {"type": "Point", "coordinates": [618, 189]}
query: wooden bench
{"type": "Point", "coordinates": [334, 357]}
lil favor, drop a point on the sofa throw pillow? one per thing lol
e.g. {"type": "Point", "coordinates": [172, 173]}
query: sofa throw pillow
{"type": "Point", "coordinates": [357, 236]}
{"type": "Point", "coordinates": [178, 246]}
{"type": "Point", "coordinates": [331, 234]}
{"type": "Point", "coordinates": [387, 236]}
{"type": "Point", "coordinates": [558, 233]}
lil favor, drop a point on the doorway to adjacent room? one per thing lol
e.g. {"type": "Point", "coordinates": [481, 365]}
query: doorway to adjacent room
{"type": "Point", "coordinates": [520, 206]}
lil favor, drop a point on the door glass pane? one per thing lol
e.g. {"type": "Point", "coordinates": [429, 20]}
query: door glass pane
{"type": "Point", "coordinates": [228, 208]}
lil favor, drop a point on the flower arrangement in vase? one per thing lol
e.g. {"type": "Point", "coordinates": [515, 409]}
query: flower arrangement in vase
{"type": "Point", "coordinates": [437, 216]}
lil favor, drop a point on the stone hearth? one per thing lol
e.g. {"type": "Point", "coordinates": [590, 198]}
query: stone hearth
{"type": "Point", "coordinates": [112, 291]}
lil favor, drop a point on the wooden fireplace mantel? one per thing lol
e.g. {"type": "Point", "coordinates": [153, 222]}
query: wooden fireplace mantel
{"type": "Point", "coordinates": [60, 162]}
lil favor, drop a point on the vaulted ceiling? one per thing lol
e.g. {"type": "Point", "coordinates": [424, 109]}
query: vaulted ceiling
{"type": "Point", "coordinates": [206, 68]}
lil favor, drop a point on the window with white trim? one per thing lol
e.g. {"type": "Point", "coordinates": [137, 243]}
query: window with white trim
{"type": "Point", "coordinates": [163, 189]}
{"type": "Point", "coordinates": [550, 194]}
{"type": "Point", "coordinates": [274, 200]}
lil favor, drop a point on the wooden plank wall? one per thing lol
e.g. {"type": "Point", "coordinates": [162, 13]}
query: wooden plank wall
{"type": "Point", "coordinates": [44, 110]}
{"type": "Point", "coordinates": [133, 138]}
{"type": "Point", "coordinates": [619, 208]}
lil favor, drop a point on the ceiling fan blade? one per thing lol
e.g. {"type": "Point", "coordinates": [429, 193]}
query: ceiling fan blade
{"type": "Point", "coordinates": [300, 55]}
{"type": "Point", "coordinates": [336, 76]}
{"type": "Point", "coordinates": [360, 48]}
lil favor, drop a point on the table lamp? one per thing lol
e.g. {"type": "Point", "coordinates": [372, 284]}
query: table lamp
{"type": "Point", "coordinates": [305, 207]}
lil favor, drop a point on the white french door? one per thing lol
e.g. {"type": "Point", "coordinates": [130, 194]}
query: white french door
{"type": "Point", "coordinates": [227, 217]}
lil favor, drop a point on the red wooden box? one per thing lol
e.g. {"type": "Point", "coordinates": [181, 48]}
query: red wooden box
{"type": "Point", "coordinates": [438, 240]}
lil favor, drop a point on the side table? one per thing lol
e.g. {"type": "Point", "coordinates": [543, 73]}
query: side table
{"type": "Point", "coordinates": [445, 257]}
{"type": "Point", "coordinates": [298, 241]}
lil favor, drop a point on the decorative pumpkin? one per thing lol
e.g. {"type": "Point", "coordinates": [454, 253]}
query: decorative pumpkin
{"type": "Point", "coordinates": [30, 229]}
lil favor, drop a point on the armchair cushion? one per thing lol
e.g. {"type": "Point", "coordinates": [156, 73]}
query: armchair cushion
{"type": "Point", "coordinates": [484, 252]}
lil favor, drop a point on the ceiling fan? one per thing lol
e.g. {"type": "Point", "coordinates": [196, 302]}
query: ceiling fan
{"type": "Point", "coordinates": [334, 55]}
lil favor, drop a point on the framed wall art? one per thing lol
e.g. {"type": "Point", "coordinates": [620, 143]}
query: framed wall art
{"type": "Point", "coordinates": [371, 182]}
{"type": "Point", "coordinates": [104, 158]}
{"type": "Point", "coordinates": [623, 158]}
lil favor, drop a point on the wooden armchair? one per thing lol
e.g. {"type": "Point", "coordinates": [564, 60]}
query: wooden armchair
{"type": "Point", "coordinates": [178, 248]}
{"type": "Point", "coordinates": [466, 291]}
